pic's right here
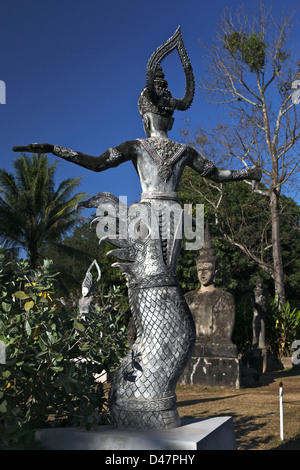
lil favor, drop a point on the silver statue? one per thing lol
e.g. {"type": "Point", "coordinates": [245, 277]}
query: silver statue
{"type": "Point", "coordinates": [88, 288]}
{"type": "Point", "coordinates": [143, 390]}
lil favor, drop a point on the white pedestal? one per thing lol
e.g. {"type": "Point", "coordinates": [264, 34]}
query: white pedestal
{"type": "Point", "coordinates": [207, 434]}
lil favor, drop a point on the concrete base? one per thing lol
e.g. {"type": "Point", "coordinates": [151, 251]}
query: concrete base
{"type": "Point", "coordinates": [208, 434]}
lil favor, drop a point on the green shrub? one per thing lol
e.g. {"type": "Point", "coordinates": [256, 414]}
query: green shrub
{"type": "Point", "coordinates": [287, 327]}
{"type": "Point", "coordinates": [251, 49]}
{"type": "Point", "coordinates": [51, 355]}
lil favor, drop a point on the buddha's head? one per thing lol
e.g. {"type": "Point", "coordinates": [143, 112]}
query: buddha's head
{"type": "Point", "coordinates": [207, 262]}
{"type": "Point", "coordinates": [206, 273]}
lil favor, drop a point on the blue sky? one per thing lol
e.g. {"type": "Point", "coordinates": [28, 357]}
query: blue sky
{"type": "Point", "coordinates": [73, 71]}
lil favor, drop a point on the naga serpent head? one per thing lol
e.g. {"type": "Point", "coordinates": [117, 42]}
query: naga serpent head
{"type": "Point", "coordinates": [135, 231]}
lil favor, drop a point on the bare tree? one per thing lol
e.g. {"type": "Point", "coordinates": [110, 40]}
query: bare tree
{"type": "Point", "coordinates": [251, 72]}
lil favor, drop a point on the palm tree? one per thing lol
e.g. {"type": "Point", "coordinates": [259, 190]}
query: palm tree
{"type": "Point", "coordinates": [33, 213]}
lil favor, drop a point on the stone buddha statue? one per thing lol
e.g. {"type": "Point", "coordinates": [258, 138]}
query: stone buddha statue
{"type": "Point", "coordinates": [213, 309]}
{"type": "Point", "coordinates": [214, 361]}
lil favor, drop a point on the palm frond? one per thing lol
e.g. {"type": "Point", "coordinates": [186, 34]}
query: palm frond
{"type": "Point", "coordinates": [32, 210]}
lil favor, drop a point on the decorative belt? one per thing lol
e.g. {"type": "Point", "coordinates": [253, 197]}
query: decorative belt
{"type": "Point", "coordinates": [156, 404]}
{"type": "Point", "coordinates": [161, 195]}
{"type": "Point", "coordinates": [159, 280]}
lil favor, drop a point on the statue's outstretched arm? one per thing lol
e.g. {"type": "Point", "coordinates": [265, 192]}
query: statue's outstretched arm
{"type": "Point", "coordinates": [208, 170]}
{"type": "Point", "coordinates": [110, 158]}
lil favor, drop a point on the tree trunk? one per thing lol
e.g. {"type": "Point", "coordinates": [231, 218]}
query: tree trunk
{"type": "Point", "coordinates": [33, 257]}
{"type": "Point", "coordinates": [277, 258]}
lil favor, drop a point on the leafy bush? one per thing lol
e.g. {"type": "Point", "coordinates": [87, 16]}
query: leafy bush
{"type": "Point", "coordinates": [251, 49]}
{"type": "Point", "coordinates": [52, 355]}
{"type": "Point", "coordinates": [287, 327]}
{"type": "Point", "coordinates": [282, 327]}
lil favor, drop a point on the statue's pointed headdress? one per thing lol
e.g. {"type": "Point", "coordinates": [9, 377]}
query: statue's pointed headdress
{"type": "Point", "coordinates": [88, 285]}
{"type": "Point", "coordinates": [155, 97]}
{"type": "Point", "coordinates": [207, 254]}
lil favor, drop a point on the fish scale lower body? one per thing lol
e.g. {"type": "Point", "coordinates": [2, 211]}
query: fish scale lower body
{"type": "Point", "coordinates": [143, 391]}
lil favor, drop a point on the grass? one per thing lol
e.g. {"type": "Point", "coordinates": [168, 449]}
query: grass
{"type": "Point", "coordinates": [255, 410]}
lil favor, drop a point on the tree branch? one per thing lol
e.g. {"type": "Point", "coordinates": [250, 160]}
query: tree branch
{"type": "Point", "coordinates": [251, 255]}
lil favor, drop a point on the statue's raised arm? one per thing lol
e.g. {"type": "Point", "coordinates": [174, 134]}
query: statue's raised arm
{"type": "Point", "coordinates": [112, 157]}
{"type": "Point", "coordinates": [207, 169]}
{"type": "Point", "coordinates": [34, 148]}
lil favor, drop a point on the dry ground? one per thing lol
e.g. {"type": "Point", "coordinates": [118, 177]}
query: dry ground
{"type": "Point", "coordinates": [255, 410]}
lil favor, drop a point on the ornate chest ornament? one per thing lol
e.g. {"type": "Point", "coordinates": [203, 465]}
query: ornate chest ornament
{"type": "Point", "coordinates": [164, 152]}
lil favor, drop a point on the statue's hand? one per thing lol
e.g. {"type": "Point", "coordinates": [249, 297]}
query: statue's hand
{"type": "Point", "coordinates": [254, 173]}
{"type": "Point", "coordinates": [34, 148]}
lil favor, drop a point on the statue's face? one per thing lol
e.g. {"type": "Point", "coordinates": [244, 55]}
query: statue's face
{"type": "Point", "coordinates": [85, 291]}
{"type": "Point", "coordinates": [206, 273]}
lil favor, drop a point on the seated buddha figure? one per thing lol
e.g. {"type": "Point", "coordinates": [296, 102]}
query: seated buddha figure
{"type": "Point", "coordinates": [213, 309]}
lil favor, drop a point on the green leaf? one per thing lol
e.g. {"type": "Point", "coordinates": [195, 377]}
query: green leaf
{"type": "Point", "coordinates": [79, 326]}
{"type": "Point", "coordinates": [57, 368]}
{"type": "Point", "coordinates": [27, 328]}
{"type": "Point", "coordinates": [29, 305]}
{"type": "Point", "coordinates": [14, 330]}
{"type": "Point", "coordinates": [47, 263]}
{"type": "Point", "coordinates": [6, 307]}
{"type": "Point", "coordinates": [51, 337]}
{"type": "Point", "coordinates": [3, 407]}
{"type": "Point", "coordinates": [59, 358]}
{"type": "Point", "coordinates": [42, 344]}
{"type": "Point", "coordinates": [20, 295]}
